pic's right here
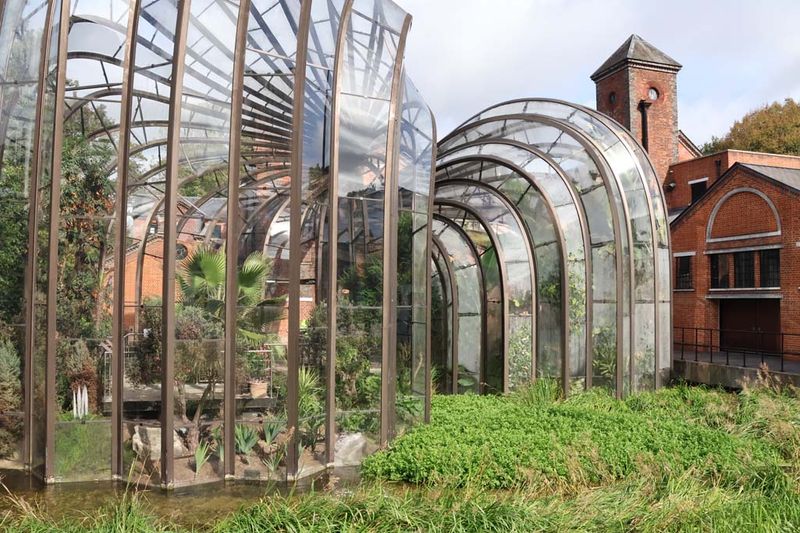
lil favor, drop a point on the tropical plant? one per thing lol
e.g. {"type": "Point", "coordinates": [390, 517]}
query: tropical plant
{"type": "Point", "coordinates": [201, 280]}
{"type": "Point", "coordinates": [78, 368]}
{"type": "Point", "coordinates": [219, 443]}
{"type": "Point", "coordinates": [271, 428]}
{"type": "Point", "coordinates": [10, 398]}
{"type": "Point", "coordinates": [200, 318]}
{"type": "Point", "coordinates": [308, 392]}
{"type": "Point", "coordinates": [246, 438]}
{"type": "Point", "coordinates": [201, 456]}
{"type": "Point", "coordinates": [520, 361]}
{"type": "Point", "coordinates": [273, 461]}
{"type": "Point", "coordinates": [605, 353]}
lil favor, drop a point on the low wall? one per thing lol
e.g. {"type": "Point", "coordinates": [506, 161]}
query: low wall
{"type": "Point", "coordinates": [730, 377]}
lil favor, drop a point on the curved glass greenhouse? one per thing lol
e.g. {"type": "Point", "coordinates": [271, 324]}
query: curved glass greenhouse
{"type": "Point", "coordinates": [551, 253]}
{"type": "Point", "coordinates": [229, 249]}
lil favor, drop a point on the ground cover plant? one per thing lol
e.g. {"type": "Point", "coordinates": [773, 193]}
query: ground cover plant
{"type": "Point", "coordinates": [682, 458]}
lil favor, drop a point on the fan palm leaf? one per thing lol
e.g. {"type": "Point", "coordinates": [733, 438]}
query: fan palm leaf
{"type": "Point", "coordinates": [201, 280]}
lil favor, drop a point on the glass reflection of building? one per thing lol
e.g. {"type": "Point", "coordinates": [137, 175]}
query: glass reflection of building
{"type": "Point", "coordinates": [230, 249]}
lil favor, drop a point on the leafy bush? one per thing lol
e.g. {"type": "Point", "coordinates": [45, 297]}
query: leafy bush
{"type": "Point", "coordinates": [512, 442]}
{"type": "Point", "coordinates": [10, 398]}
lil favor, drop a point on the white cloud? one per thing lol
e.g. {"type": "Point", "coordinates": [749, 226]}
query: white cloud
{"type": "Point", "coordinates": [465, 55]}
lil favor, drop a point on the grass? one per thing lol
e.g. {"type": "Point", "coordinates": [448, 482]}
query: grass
{"type": "Point", "coordinates": [680, 459]}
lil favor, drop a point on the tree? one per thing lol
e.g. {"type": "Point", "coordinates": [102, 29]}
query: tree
{"type": "Point", "coordinates": [774, 129]}
{"type": "Point", "coordinates": [200, 316]}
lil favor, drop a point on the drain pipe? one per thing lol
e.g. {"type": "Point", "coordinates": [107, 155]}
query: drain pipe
{"type": "Point", "coordinates": [643, 106]}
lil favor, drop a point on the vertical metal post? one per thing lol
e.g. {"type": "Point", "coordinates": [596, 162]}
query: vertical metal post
{"type": "Point", "coordinates": [232, 237]}
{"type": "Point", "coordinates": [52, 249]}
{"type": "Point", "coordinates": [390, 224]}
{"type": "Point", "coordinates": [333, 230]}
{"type": "Point", "coordinates": [295, 222]}
{"type": "Point", "coordinates": [120, 244]}
{"type": "Point", "coordinates": [170, 220]}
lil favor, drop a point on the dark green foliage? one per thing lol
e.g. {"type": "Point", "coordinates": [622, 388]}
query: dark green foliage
{"type": "Point", "coordinates": [10, 398]}
{"type": "Point", "coordinates": [511, 442]}
{"type": "Point", "coordinates": [680, 459]}
{"type": "Point", "coordinates": [774, 128]}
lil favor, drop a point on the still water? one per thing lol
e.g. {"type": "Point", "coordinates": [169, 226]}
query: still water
{"type": "Point", "coordinates": [188, 507]}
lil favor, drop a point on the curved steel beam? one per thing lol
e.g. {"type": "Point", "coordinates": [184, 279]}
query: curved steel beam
{"type": "Point", "coordinates": [503, 273]}
{"type": "Point", "coordinates": [465, 238]}
{"type": "Point", "coordinates": [450, 282]}
{"type": "Point", "coordinates": [529, 247]}
{"type": "Point", "coordinates": [120, 246]}
{"type": "Point", "coordinates": [390, 225]}
{"type": "Point", "coordinates": [231, 237]}
{"type": "Point", "coordinates": [52, 247]}
{"type": "Point", "coordinates": [618, 214]}
{"type": "Point", "coordinates": [561, 239]}
{"type": "Point", "coordinates": [333, 225]}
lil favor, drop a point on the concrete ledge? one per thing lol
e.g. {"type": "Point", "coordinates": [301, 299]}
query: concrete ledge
{"type": "Point", "coordinates": [730, 377]}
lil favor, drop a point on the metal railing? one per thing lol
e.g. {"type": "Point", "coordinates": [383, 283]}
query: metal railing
{"type": "Point", "coordinates": [779, 351]}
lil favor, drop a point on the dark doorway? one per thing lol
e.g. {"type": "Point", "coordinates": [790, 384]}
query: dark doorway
{"type": "Point", "coordinates": [750, 325]}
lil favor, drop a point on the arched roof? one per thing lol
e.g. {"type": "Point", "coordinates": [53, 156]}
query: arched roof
{"type": "Point", "coordinates": [603, 197]}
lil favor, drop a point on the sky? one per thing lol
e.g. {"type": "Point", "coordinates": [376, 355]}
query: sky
{"type": "Point", "coordinates": [737, 55]}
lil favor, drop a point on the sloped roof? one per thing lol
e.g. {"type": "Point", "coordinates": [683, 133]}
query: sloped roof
{"type": "Point", "coordinates": [787, 176]}
{"type": "Point", "coordinates": [638, 52]}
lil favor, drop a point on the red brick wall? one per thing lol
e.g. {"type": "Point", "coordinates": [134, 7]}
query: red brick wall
{"type": "Point", "coordinates": [685, 153]}
{"type": "Point", "coordinates": [631, 85]}
{"type": "Point", "coordinates": [617, 83]}
{"type": "Point", "coordinates": [706, 167]}
{"type": "Point", "coordinates": [731, 220]}
{"type": "Point", "coordinates": [692, 308]}
{"type": "Point", "coordinates": [662, 115]}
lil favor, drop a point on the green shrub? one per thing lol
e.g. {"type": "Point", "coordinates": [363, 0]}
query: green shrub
{"type": "Point", "coordinates": [523, 441]}
{"type": "Point", "coordinates": [10, 399]}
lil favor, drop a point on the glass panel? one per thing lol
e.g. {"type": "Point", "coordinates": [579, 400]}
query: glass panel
{"type": "Point", "coordinates": [21, 35]}
{"type": "Point", "coordinates": [366, 74]}
{"type": "Point", "coordinates": [144, 260]}
{"type": "Point", "coordinates": [86, 240]}
{"type": "Point", "coordinates": [414, 180]}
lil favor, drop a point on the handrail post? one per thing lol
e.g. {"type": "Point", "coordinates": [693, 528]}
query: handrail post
{"type": "Point", "coordinates": [683, 342]}
{"type": "Point", "coordinates": [727, 352]}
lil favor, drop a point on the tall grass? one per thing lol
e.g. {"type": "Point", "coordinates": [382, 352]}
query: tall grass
{"type": "Point", "coordinates": [679, 459]}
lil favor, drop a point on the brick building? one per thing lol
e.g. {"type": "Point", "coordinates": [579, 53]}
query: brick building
{"type": "Point", "coordinates": [734, 215]}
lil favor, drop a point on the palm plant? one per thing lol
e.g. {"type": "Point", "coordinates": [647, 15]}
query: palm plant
{"type": "Point", "coordinates": [201, 455]}
{"type": "Point", "coordinates": [201, 280]}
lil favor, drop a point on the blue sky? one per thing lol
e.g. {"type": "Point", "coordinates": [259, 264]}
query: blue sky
{"type": "Point", "coordinates": [737, 55]}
